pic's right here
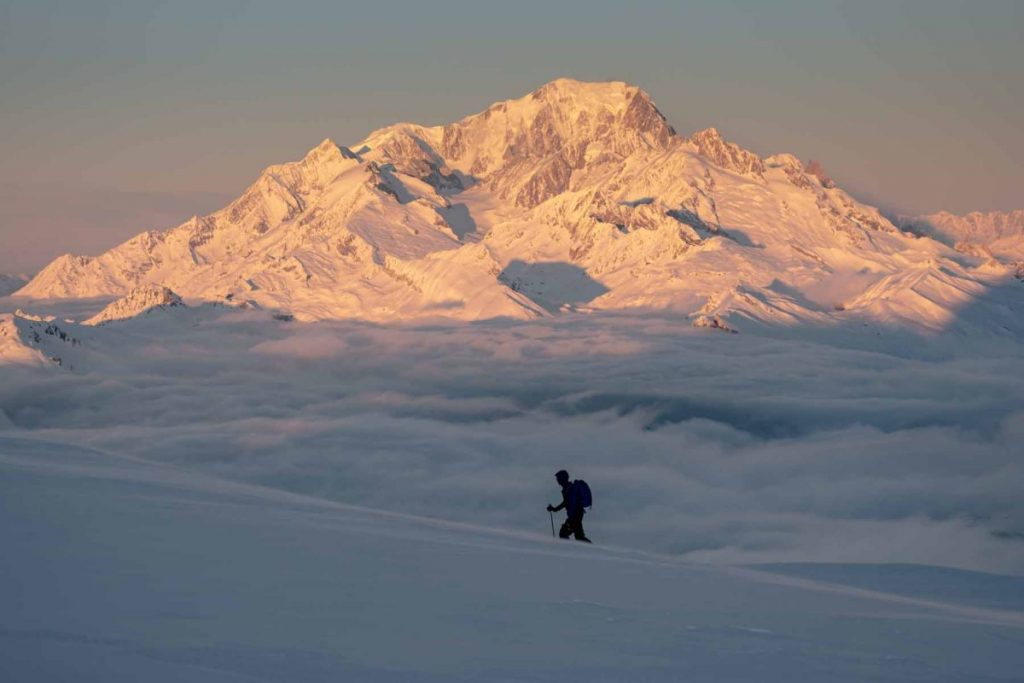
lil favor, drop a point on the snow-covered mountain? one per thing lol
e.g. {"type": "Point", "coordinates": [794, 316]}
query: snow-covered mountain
{"type": "Point", "coordinates": [31, 340]}
{"type": "Point", "coordinates": [11, 282]}
{"type": "Point", "coordinates": [993, 234]}
{"type": "Point", "coordinates": [576, 196]}
{"type": "Point", "coordinates": [141, 300]}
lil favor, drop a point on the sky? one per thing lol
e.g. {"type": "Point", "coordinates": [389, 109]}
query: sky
{"type": "Point", "coordinates": [121, 116]}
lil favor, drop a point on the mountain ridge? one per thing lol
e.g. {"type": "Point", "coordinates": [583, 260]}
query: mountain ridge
{"type": "Point", "coordinates": [574, 197]}
{"type": "Point", "coordinates": [997, 235]}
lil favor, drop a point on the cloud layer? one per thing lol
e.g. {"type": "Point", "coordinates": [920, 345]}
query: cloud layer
{"type": "Point", "coordinates": [717, 447]}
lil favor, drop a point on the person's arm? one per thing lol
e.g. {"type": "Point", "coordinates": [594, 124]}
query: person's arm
{"type": "Point", "coordinates": [560, 506]}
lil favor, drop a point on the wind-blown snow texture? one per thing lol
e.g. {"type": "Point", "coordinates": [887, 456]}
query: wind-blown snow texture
{"type": "Point", "coordinates": [119, 570]}
{"type": "Point", "coordinates": [546, 284]}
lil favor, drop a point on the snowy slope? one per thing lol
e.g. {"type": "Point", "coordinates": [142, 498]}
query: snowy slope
{"type": "Point", "coordinates": [994, 234]}
{"type": "Point", "coordinates": [577, 196]}
{"type": "Point", "coordinates": [142, 300]}
{"type": "Point", "coordinates": [119, 570]}
{"type": "Point", "coordinates": [321, 238]}
{"type": "Point", "coordinates": [31, 340]}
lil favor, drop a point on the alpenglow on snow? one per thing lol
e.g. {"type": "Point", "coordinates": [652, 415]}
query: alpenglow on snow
{"type": "Point", "coordinates": [578, 196]}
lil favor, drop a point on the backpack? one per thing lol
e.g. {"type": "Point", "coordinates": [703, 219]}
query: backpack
{"type": "Point", "coordinates": [583, 495]}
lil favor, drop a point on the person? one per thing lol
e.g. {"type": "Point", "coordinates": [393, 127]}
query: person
{"type": "Point", "coordinates": [573, 507]}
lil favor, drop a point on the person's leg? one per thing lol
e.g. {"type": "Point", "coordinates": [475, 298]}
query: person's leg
{"type": "Point", "coordinates": [566, 530]}
{"type": "Point", "coordinates": [577, 528]}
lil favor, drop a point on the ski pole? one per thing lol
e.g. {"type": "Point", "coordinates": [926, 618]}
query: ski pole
{"type": "Point", "coordinates": [552, 516]}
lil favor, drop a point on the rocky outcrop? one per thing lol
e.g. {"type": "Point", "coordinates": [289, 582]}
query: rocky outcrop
{"type": "Point", "coordinates": [528, 150]}
{"type": "Point", "coordinates": [728, 155]}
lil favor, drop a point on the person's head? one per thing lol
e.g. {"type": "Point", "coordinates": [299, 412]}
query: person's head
{"type": "Point", "coordinates": [562, 477]}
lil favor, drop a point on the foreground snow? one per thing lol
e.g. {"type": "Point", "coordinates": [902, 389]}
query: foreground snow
{"type": "Point", "coordinates": [119, 570]}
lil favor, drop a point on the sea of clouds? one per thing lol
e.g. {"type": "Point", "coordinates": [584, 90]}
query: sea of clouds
{"type": "Point", "coordinates": [713, 446]}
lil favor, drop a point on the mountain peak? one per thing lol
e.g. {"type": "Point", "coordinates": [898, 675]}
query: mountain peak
{"type": "Point", "coordinates": [709, 135]}
{"type": "Point", "coordinates": [326, 150]}
{"type": "Point", "coordinates": [630, 104]}
{"type": "Point", "coordinates": [610, 93]}
{"type": "Point", "coordinates": [551, 133]}
{"type": "Point", "coordinates": [139, 301]}
{"type": "Point", "coordinates": [581, 105]}
{"type": "Point", "coordinates": [712, 145]}
{"type": "Point", "coordinates": [576, 195]}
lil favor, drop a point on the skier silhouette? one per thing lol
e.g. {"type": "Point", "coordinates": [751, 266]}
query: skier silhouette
{"type": "Point", "coordinates": [572, 502]}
